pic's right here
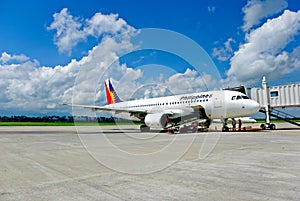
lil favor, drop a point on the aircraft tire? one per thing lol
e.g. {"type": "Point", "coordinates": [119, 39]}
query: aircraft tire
{"type": "Point", "coordinates": [225, 129]}
{"type": "Point", "coordinates": [144, 128]}
{"type": "Point", "coordinates": [272, 127]}
{"type": "Point", "coordinates": [263, 126]}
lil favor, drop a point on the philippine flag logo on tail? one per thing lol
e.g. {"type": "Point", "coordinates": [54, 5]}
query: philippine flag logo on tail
{"type": "Point", "coordinates": [111, 94]}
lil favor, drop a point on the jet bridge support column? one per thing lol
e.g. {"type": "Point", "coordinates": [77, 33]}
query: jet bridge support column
{"type": "Point", "coordinates": [266, 105]}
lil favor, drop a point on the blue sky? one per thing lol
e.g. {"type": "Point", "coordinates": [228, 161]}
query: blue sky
{"type": "Point", "coordinates": [23, 23]}
{"type": "Point", "coordinates": [245, 40]}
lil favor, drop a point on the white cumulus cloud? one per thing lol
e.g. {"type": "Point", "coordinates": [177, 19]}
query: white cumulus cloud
{"type": "Point", "coordinates": [72, 30]}
{"type": "Point", "coordinates": [28, 86]}
{"type": "Point", "coordinates": [224, 52]}
{"type": "Point", "coordinates": [190, 81]}
{"type": "Point", "coordinates": [256, 10]}
{"type": "Point", "coordinates": [6, 58]}
{"type": "Point", "coordinates": [264, 52]}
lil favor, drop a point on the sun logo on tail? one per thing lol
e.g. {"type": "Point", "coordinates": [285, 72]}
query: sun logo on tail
{"type": "Point", "coordinates": [111, 95]}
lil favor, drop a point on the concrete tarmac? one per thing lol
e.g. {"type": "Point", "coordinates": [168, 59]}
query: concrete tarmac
{"type": "Point", "coordinates": [119, 163]}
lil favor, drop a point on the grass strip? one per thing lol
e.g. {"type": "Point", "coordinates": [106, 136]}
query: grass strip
{"type": "Point", "coordinates": [64, 123]}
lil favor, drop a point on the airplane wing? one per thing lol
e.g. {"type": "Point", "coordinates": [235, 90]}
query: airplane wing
{"type": "Point", "coordinates": [134, 112]}
{"type": "Point", "coordinates": [108, 109]}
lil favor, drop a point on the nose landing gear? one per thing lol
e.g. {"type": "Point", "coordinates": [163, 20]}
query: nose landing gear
{"type": "Point", "coordinates": [268, 126]}
{"type": "Point", "coordinates": [225, 127]}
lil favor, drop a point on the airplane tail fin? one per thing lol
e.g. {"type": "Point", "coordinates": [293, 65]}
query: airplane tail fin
{"type": "Point", "coordinates": [111, 94]}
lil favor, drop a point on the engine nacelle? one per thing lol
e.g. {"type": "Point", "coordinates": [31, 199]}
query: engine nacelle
{"type": "Point", "coordinates": [156, 120]}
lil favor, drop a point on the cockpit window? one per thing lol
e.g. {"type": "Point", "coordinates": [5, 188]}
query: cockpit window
{"type": "Point", "coordinates": [239, 97]}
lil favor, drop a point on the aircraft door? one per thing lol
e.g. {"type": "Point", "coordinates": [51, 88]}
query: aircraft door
{"type": "Point", "coordinates": [218, 106]}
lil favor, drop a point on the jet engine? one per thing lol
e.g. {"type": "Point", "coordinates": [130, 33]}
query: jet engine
{"type": "Point", "coordinates": [156, 120]}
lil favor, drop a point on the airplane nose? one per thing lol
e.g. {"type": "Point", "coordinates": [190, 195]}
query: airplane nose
{"type": "Point", "coordinates": [255, 106]}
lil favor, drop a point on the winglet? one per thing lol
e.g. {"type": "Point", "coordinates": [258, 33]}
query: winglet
{"type": "Point", "coordinates": [111, 95]}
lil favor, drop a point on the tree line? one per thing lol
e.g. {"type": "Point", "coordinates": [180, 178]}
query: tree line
{"type": "Point", "coordinates": [54, 118]}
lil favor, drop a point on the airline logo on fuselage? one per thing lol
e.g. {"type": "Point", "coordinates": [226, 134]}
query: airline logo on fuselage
{"type": "Point", "coordinates": [192, 97]}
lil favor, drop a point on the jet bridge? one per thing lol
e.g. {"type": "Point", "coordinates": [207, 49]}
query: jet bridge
{"type": "Point", "coordinates": [272, 97]}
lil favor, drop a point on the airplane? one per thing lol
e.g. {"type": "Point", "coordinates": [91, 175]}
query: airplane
{"type": "Point", "coordinates": [171, 111]}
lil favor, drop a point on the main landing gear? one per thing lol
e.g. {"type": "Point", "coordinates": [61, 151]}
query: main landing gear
{"type": "Point", "coordinates": [144, 128]}
{"type": "Point", "coordinates": [191, 127]}
{"type": "Point", "coordinates": [225, 128]}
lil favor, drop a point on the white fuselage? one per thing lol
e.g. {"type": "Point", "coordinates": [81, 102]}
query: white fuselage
{"type": "Point", "coordinates": [221, 104]}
